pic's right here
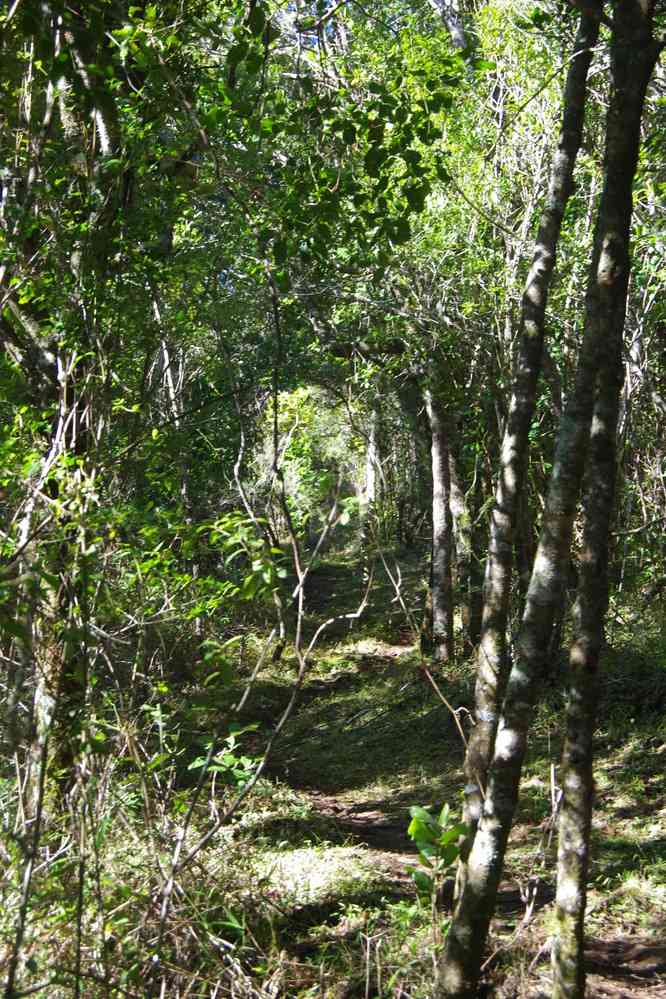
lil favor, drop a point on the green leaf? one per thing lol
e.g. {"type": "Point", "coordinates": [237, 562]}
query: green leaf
{"type": "Point", "coordinates": [417, 812]}
{"type": "Point", "coordinates": [157, 761]}
{"type": "Point", "coordinates": [452, 834]}
{"type": "Point", "coordinates": [449, 855]}
{"type": "Point", "coordinates": [256, 21]}
{"type": "Point", "coordinates": [282, 280]}
{"type": "Point", "coordinates": [237, 53]}
{"type": "Point", "coordinates": [374, 158]}
{"type": "Point", "coordinates": [423, 883]}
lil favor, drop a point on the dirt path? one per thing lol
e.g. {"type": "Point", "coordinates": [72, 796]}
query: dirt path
{"type": "Point", "coordinates": [370, 739]}
{"type": "Point", "coordinates": [618, 968]}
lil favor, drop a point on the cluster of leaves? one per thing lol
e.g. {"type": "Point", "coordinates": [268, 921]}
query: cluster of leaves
{"type": "Point", "coordinates": [437, 838]}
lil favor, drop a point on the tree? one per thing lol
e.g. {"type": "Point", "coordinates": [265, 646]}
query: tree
{"type": "Point", "coordinates": [493, 664]}
{"type": "Point", "coordinates": [634, 53]}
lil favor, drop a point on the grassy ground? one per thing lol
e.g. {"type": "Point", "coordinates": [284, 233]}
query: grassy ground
{"type": "Point", "coordinates": [308, 892]}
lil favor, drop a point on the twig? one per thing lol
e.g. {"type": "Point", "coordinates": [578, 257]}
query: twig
{"type": "Point", "coordinates": [395, 583]}
{"type": "Point", "coordinates": [452, 710]}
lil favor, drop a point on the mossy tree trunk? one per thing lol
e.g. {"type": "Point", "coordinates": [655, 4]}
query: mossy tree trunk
{"type": "Point", "coordinates": [634, 53]}
{"type": "Point", "coordinates": [633, 56]}
{"type": "Point", "coordinates": [589, 614]}
{"type": "Point", "coordinates": [493, 659]}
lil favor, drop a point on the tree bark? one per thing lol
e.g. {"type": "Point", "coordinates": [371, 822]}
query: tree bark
{"type": "Point", "coordinates": [634, 54]}
{"type": "Point", "coordinates": [493, 660]}
{"type": "Point", "coordinates": [462, 531]}
{"type": "Point", "coordinates": [442, 534]}
{"type": "Point", "coordinates": [589, 614]}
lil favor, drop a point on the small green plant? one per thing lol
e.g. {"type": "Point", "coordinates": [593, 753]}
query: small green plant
{"type": "Point", "coordinates": [233, 769]}
{"type": "Point", "coordinates": [437, 840]}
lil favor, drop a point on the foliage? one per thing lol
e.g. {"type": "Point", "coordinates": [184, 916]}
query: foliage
{"type": "Point", "coordinates": [437, 840]}
{"type": "Point", "coordinates": [237, 241]}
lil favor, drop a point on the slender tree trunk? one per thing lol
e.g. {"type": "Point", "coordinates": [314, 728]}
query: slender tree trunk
{"type": "Point", "coordinates": [634, 54]}
{"type": "Point", "coordinates": [59, 625]}
{"type": "Point", "coordinates": [493, 661]}
{"type": "Point", "coordinates": [442, 534]}
{"type": "Point", "coordinates": [524, 546]}
{"type": "Point", "coordinates": [589, 614]}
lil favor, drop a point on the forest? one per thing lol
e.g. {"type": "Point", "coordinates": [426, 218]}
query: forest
{"type": "Point", "coordinates": [332, 499]}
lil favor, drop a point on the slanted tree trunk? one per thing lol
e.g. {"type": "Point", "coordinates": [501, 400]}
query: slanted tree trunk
{"type": "Point", "coordinates": [634, 54]}
{"type": "Point", "coordinates": [442, 534]}
{"type": "Point", "coordinates": [493, 660]}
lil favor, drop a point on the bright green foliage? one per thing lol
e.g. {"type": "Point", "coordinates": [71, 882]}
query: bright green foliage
{"type": "Point", "coordinates": [437, 839]}
{"type": "Point", "coordinates": [259, 566]}
{"type": "Point", "coordinates": [227, 763]}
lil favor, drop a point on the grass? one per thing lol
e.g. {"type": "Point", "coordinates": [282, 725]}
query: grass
{"type": "Point", "coordinates": [307, 893]}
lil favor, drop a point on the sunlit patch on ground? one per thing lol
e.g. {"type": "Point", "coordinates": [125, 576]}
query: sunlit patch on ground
{"type": "Point", "coordinates": [312, 873]}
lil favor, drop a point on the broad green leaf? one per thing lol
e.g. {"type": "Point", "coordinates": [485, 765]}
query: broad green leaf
{"type": "Point", "coordinates": [256, 21]}
{"type": "Point", "coordinates": [417, 812]}
{"type": "Point", "coordinates": [237, 53]}
{"type": "Point", "coordinates": [423, 883]}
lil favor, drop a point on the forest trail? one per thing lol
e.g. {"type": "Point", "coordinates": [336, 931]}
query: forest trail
{"type": "Point", "coordinates": [618, 967]}
{"type": "Point", "coordinates": [370, 738]}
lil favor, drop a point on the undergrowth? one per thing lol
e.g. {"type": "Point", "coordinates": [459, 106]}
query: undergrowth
{"type": "Point", "coordinates": [306, 891]}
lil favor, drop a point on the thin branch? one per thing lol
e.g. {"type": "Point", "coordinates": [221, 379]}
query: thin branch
{"type": "Point", "coordinates": [449, 706]}
{"type": "Point", "coordinates": [510, 122]}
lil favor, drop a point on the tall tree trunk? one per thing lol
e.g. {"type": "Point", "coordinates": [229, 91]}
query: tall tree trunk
{"type": "Point", "coordinates": [633, 56]}
{"type": "Point", "coordinates": [589, 614]}
{"type": "Point", "coordinates": [442, 534]}
{"type": "Point", "coordinates": [449, 11]}
{"type": "Point", "coordinates": [634, 53]}
{"type": "Point", "coordinates": [493, 661]}
{"type": "Point", "coordinates": [524, 546]}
